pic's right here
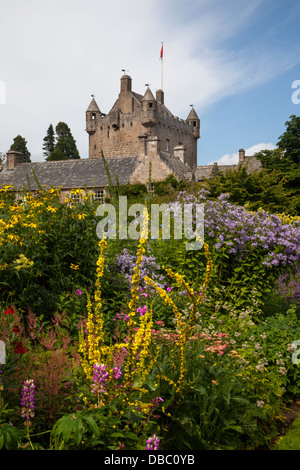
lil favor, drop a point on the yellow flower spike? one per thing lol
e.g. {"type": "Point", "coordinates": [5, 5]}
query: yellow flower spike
{"type": "Point", "coordinates": [182, 342]}
{"type": "Point", "coordinates": [134, 298]}
{"type": "Point", "coordinates": [92, 349]}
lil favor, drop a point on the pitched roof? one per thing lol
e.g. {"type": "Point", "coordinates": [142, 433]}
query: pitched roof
{"type": "Point", "coordinates": [192, 115]}
{"type": "Point", "coordinates": [148, 96]}
{"type": "Point", "coordinates": [93, 107]}
{"type": "Point", "coordinates": [70, 174]}
{"type": "Point", "coordinates": [180, 169]}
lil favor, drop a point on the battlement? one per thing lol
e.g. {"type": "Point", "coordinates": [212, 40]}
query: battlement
{"type": "Point", "coordinates": [133, 119]}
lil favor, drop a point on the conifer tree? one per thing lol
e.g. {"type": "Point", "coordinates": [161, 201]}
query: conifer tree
{"type": "Point", "coordinates": [20, 145]}
{"type": "Point", "coordinates": [49, 142]}
{"type": "Point", "coordinates": [65, 147]}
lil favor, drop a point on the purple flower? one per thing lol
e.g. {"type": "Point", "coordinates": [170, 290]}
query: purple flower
{"type": "Point", "coordinates": [121, 316]}
{"type": "Point", "coordinates": [28, 401]}
{"type": "Point", "coordinates": [152, 443]}
{"type": "Point", "coordinates": [99, 379]}
{"type": "Point", "coordinates": [101, 376]}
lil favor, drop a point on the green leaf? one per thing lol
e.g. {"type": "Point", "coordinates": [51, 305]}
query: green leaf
{"type": "Point", "coordinates": [117, 434]}
{"type": "Point", "coordinates": [78, 430]}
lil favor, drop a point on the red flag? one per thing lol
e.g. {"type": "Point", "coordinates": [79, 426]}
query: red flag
{"type": "Point", "coordinates": [161, 51]}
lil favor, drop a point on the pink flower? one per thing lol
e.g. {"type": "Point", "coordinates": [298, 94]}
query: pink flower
{"type": "Point", "coordinates": [142, 310]}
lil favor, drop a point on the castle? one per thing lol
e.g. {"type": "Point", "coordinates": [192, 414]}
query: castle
{"type": "Point", "coordinates": [139, 132]}
{"type": "Point", "coordinates": [142, 126]}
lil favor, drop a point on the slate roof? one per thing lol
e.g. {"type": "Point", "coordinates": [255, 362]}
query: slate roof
{"type": "Point", "coordinates": [89, 172]}
{"type": "Point", "coordinates": [182, 170]}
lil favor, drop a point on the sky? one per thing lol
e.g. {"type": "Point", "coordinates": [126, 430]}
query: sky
{"type": "Point", "coordinates": [235, 61]}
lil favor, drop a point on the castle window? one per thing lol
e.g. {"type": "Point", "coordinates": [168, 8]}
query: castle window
{"type": "Point", "coordinates": [194, 123]}
{"type": "Point", "coordinates": [99, 196]}
{"type": "Point", "coordinates": [93, 116]}
{"type": "Point", "coordinates": [75, 198]}
{"type": "Point", "coordinates": [95, 146]}
{"type": "Point", "coordinates": [167, 145]}
{"type": "Point", "coordinates": [108, 134]}
{"type": "Point", "coordinates": [150, 105]}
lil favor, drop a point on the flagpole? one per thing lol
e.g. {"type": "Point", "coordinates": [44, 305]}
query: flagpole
{"type": "Point", "coordinates": [161, 59]}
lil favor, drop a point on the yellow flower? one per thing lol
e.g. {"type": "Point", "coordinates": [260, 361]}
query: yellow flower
{"type": "Point", "coordinates": [81, 216]}
{"type": "Point", "coordinates": [74, 266]}
{"type": "Point", "coordinates": [51, 209]}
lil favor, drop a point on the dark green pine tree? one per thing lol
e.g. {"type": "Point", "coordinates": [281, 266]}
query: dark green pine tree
{"type": "Point", "coordinates": [49, 142]}
{"type": "Point", "coordinates": [65, 147]}
{"type": "Point", "coordinates": [20, 145]}
{"type": "Point", "coordinates": [289, 141]}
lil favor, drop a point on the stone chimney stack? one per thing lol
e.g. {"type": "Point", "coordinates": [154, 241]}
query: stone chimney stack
{"type": "Point", "coordinates": [160, 96]}
{"type": "Point", "coordinates": [14, 158]}
{"type": "Point", "coordinates": [241, 156]}
{"type": "Point", "coordinates": [125, 96]}
{"type": "Point", "coordinates": [125, 83]}
{"type": "Point", "coordinates": [152, 143]}
{"type": "Point", "coordinates": [179, 152]}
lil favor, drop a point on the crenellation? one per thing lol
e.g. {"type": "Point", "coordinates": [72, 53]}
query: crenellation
{"type": "Point", "coordinates": [133, 115]}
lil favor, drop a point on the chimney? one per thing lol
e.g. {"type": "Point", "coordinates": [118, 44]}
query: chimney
{"type": "Point", "coordinates": [241, 156]}
{"type": "Point", "coordinates": [152, 146]}
{"type": "Point", "coordinates": [125, 83]}
{"type": "Point", "coordinates": [179, 152]}
{"type": "Point", "coordinates": [14, 158]}
{"type": "Point", "coordinates": [160, 96]}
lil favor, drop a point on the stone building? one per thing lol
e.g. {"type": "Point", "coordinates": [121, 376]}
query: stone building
{"type": "Point", "coordinates": [139, 130]}
{"type": "Point", "coordinates": [142, 126]}
{"type": "Point", "coordinates": [209, 171]}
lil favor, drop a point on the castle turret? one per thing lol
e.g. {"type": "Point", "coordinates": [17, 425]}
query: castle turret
{"type": "Point", "coordinates": [149, 109]}
{"type": "Point", "coordinates": [125, 96]}
{"type": "Point", "coordinates": [194, 121]}
{"type": "Point", "coordinates": [93, 114]}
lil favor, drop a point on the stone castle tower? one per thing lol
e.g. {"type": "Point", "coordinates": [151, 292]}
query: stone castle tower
{"type": "Point", "coordinates": [141, 126]}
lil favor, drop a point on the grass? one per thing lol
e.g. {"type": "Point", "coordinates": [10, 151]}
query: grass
{"type": "Point", "coordinates": [291, 440]}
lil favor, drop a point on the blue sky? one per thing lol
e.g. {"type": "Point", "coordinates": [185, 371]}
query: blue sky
{"type": "Point", "coordinates": [235, 60]}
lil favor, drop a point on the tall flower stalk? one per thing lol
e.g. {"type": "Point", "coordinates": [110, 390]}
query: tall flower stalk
{"type": "Point", "coordinates": [28, 401]}
{"type": "Point", "coordinates": [91, 347]}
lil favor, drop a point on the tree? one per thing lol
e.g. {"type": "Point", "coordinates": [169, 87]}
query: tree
{"type": "Point", "coordinates": [65, 147]}
{"type": "Point", "coordinates": [49, 142]}
{"type": "Point", "coordinates": [289, 141]}
{"type": "Point", "coordinates": [20, 145]}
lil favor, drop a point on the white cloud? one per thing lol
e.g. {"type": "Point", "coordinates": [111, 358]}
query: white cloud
{"type": "Point", "coordinates": [233, 158]}
{"type": "Point", "coordinates": [61, 52]}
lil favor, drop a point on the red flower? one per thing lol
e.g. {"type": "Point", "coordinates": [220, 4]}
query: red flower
{"type": "Point", "coordinates": [9, 310]}
{"type": "Point", "coordinates": [19, 349]}
{"type": "Point", "coordinates": [15, 329]}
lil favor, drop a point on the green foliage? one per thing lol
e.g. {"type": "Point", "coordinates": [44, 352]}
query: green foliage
{"type": "Point", "coordinates": [49, 142]}
{"type": "Point", "coordinates": [20, 145]}
{"type": "Point", "coordinates": [65, 146]}
{"type": "Point", "coordinates": [289, 141]}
